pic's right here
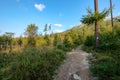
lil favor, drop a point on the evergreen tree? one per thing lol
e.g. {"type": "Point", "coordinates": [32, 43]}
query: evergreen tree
{"type": "Point", "coordinates": [56, 40]}
{"type": "Point", "coordinates": [95, 17]}
{"type": "Point", "coordinates": [68, 42]}
{"type": "Point", "coordinates": [47, 39]}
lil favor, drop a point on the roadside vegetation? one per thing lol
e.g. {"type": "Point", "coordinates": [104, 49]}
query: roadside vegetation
{"type": "Point", "coordinates": [30, 64]}
{"type": "Point", "coordinates": [105, 62]}
{"type": "Point", "coordinates": [34, 56]}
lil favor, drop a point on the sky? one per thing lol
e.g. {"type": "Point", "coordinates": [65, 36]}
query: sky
{"type": "Point", "coordinates": [16, 15]}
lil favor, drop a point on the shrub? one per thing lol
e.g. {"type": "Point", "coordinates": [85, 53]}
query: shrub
{"type": "Point", "coordinates": [30, 64]}
{"type": "Point", "coordinates": [89, 41]}
{"type": "Point", "coordinates": [105, 68]}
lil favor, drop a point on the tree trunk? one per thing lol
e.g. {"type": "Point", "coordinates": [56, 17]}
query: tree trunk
{"type": "Point", "coordinates": [0, 47]}
{"type": "Point", "coordinates": [96, 26]}
{"type": "Point", "coordinates": [112, 24]}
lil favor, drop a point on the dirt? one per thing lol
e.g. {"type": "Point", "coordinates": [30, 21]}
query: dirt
{"type": "Point", "coordinates": [75, 67]}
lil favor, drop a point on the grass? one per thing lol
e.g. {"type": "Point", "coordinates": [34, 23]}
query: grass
{"type": "Point", "coordinates": [30, 64]}
{"type": "Point", "coordinates": [105, 65]}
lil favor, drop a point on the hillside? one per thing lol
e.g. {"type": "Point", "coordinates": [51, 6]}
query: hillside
{"type": "Point", "coordinates": [27, 57]}
{"type": "Point", "coordinates": [105, 65]}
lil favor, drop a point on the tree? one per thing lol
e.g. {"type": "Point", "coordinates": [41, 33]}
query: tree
{"type": "Point", "coordinates": [47, 28]}
{"type": "Point", "coordinates": [96, 25]}
{"type": "Point", "coordinates": [47, 39]}
{"type": "Point", "coordinates": [19, 41]}
{"type": "Point", "coordinates": [50, 27]}
{"type": "Point", "coordinates": [31, 30]}
{"type": "Point", "coordinates": [8, 36]}
{"type": "Point", "coordinates": [111, 11]}
{"type": "Point", "coordinates": [56, 40]}
{"type": "Point", "coordinates": [1, 42]}
{"type": "Point", "coordinates": [68, 42]}
{"type": "Point", "coordinates": [31, 33]}
{"type": "Point", "coordinates": [117, 19]}
{"type": "Point", "coordinates": [95, 17]}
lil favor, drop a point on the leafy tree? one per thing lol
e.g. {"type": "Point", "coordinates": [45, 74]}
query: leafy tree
{"type": "Point", "coordinates": [31, 33]}
{"type": "Point", "coordinates": [31, 30]}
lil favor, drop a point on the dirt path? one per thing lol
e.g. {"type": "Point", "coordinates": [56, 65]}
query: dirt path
{"type": "Point", "coordinates": [76, 66]}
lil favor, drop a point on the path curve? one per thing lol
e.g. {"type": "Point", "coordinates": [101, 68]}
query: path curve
{"type": "Point", "coordinates": [75, 67]}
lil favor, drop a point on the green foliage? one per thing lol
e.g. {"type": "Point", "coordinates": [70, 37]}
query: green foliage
{"type": "Point", "coordinates": [105, 67]}
{"type": "Point", "coordinates": [6, 41]}
{"type": "Point", "coordinates": [78, 40]}
{"type": "Point", "coordinates": [92, 17]}
{"type": "Point", "coordinates": [47, 39]}
{"type": "Point", "coordinates": [56, 40]}
{"type": "Point", "coordinates": [109, 41]}
{"type": "Point", "coordinates": [89, 41]}
{"type": "Point", "coordinates": [31, 33]}
{"type": "Point", "coordinates": [30, 64]}
{"type": "Point", "coordinates": [31, 42]}
{"type": "Point", "coordinates": [20, 42]}
{"type": "Point", "coordinates": [105, 63]}
{"type": "Point", "coordinates": [31, 30]}
{"type": "Point", "coordinates": [117, 19]}
{"type": "Point", "coordinates": [68, 42]}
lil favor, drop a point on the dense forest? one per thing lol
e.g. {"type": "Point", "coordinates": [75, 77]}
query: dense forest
{"type": "Point", "coordinates": [37, 56]}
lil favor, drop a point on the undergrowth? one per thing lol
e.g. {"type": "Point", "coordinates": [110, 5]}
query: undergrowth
{"type": "Point", "coordinates": [105, 63]}
{"type": "Point", "coordinates": [30, 64]}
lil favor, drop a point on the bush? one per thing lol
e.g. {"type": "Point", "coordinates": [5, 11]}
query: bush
{"type": "Point", "coordinates": [105, 68]}
{"type": "Point", "coordinates": [30, 64]}
{"type": "Point", "coordinates": [109, 41]}
{"type": "Point", "coordinates": [89, 41]}
{"type": "Point", "coordinates": [105, 63]}
{"type": "Point", "coordinates": [65, 48]}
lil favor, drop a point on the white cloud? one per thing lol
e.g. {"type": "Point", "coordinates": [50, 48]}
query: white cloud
{"type": "Point", "coordinates": [57, 31]}
{"type": "Point", "coordinates": [58, 25]}
{"type": "Point", "coordinates": [40, 7]}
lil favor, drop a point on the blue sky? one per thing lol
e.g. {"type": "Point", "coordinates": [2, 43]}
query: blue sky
{"type": "Point", "coordinates": [16, 15]}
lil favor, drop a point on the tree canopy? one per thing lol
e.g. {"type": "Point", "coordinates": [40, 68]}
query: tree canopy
{"type": "Point", "coordinates": [31, 30]}
{"type": "Point", "coordinates": [91, 17]}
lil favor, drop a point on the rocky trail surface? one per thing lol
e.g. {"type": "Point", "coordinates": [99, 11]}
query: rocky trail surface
{"type": "Point", "coordinates": [75, 67]}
